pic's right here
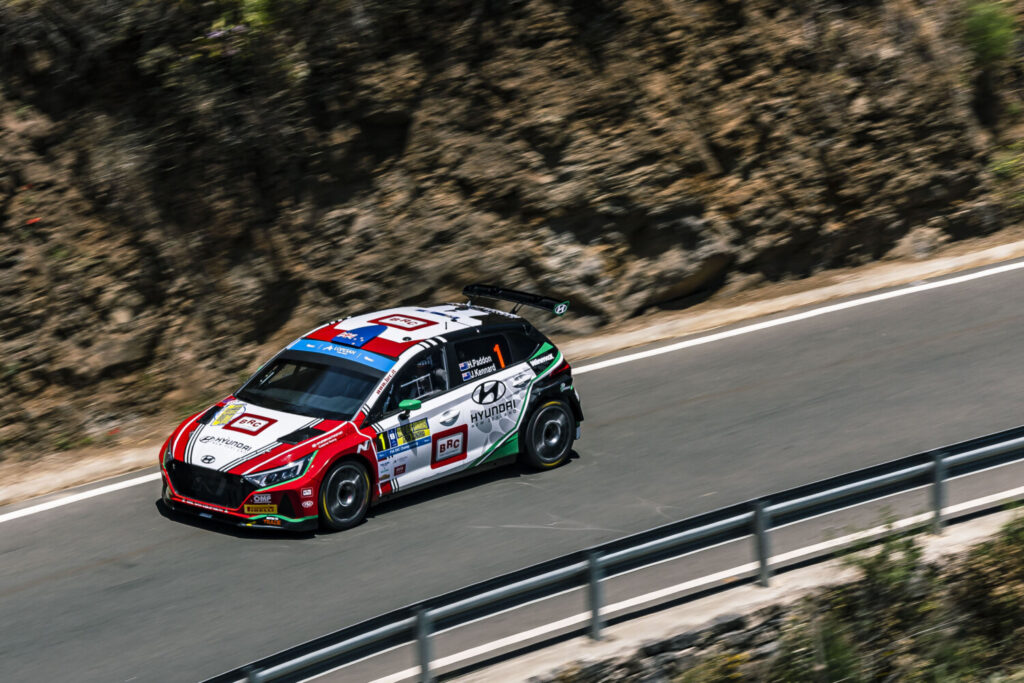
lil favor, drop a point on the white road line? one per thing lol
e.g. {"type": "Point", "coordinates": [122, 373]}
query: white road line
{"type": "Point", "coordinates": [698, 341]}
{"type": "Point", "coordinates": [75, 497]}
{"type": "Point", "coordinates": [704, 581]}
{"type": "Point", "coordinates": [796, 317]}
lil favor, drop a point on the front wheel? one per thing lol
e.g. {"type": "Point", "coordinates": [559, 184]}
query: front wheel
{"type": "Point", "coordinates": [549, 435]}
{"type": "Point", "coordinates": [344, 495]}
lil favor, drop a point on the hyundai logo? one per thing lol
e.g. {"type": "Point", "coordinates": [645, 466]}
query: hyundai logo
{"type": "Point", "coordinates": [488, 392]}
{"type": "Point", "coordinates": [207, 459]}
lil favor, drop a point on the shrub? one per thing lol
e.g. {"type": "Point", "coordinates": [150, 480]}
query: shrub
{"type": "Point", "coordinates": [990, 32]}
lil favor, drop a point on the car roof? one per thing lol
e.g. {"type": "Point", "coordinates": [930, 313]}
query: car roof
{"type": "Point", "coordinates": [392, 331]}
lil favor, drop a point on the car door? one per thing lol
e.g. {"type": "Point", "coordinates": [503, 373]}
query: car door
{"type": "Point", "coordinates": [417, 446]}
{"type": "Point", "coordinates": [494, 389]}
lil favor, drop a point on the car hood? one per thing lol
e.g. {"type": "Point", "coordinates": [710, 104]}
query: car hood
{"type": "Point", "coordinates": [241, 437]}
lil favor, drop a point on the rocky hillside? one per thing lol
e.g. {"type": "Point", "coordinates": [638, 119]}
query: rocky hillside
{"type": "Point", "coordinates": [185, 182]}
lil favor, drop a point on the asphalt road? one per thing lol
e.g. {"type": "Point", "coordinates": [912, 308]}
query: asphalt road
{"type": "Point", "coordinates": [108, 589]}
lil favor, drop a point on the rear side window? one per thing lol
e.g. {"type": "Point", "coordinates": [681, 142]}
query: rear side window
{"type": "Point", "coordinates": [521, 346]}
{"type": "Point", "coordinates": [480, 356]}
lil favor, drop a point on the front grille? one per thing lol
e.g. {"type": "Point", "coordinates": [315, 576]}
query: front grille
{"type": "Point", "coordinates": [209, 486]}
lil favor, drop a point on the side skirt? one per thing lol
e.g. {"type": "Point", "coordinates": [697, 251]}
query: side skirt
{"type": "Point", "coordinates": [507, 460]}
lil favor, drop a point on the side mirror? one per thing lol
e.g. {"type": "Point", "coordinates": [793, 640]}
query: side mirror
{"type": "Point", "coordinates": [408, 405]}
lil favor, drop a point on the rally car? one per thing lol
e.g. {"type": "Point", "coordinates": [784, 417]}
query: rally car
{"type": "Point", "coordinates": [368, 407]}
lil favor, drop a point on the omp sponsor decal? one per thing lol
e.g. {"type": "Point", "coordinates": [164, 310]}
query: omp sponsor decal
{"type": "Point", "coordinates": [402, 438]}
{"type": "Point", "coordinates": [260, 509]}
{"type": "Point", "coordinates": [488, 392]}
{"type": "Point", "coordinates": [449, 446]}
{"type": "Point", "coordinates": [261, 498]}
{"type": "Point", "coordinates": [224, 441]}
{"type": "Point", "coordinates": [250, 424]}
{"type": "Point", "coordinates": [403, 322]}
{"type": "Point", "coordinates": [341, 351]}
{"type": "Point", "coordinates": [494, 412]}
{"type": "Point", "coordinates": [227, 413]}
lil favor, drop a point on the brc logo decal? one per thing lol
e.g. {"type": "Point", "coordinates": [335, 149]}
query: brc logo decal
{"type": "Point", "coordinates": [249, 424]}
{"type": "Point", "coordinates": [449, 446]}
{"type": "Point", "coordinates": [403, 322]}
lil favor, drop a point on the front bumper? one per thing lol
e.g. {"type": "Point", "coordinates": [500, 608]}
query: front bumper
{"type": "Point", "coordinates": [223, 498]}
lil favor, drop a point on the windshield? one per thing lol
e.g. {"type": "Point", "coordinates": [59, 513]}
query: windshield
{"type": "Point", "coordinates": [309, 388]}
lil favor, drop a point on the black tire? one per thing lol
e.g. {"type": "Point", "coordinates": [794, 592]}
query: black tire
{"type": "Point", "coordinates": [548, 436]}
{"type": "Point", "coordinates": [344, 495]}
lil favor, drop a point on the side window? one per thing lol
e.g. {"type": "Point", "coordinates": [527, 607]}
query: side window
{"type": "Point", "coordinates": [522, 346]}
{"type": "Point", "coordinates": [425, 376]}
{"type": "Point", "coordinates": [481, 356]}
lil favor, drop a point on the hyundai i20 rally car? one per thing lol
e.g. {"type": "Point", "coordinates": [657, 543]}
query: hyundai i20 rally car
{"type": "Point", "coordinates": [372, 406]}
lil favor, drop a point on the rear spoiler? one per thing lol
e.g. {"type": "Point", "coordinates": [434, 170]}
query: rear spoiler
{"type": "Point", "coordinates": [518, 298]}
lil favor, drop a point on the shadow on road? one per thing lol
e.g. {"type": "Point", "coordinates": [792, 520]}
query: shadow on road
{"type": "Point", "coordinates": [449, 488]}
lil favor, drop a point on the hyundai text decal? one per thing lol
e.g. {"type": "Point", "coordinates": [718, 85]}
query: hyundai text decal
{"type": "Point", "coordinates": [488, 392]}
{"type": "Point", "coordinates": [494, 411]}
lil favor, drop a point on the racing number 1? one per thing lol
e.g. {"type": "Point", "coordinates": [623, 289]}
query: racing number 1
{"type": "Point", "coordinates": [501, 361]}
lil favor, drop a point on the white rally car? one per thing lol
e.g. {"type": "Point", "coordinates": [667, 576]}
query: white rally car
{"type": "Point", "coordinates": [368, 407]}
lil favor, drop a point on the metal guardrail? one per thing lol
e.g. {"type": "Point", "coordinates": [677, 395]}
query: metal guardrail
{"type": "Point", "coordinates": [756, 519]}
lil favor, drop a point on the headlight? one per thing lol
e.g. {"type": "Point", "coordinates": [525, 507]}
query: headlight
{"type": "Point", "coordinates": [169, 453]}
{"type": "Point", "coordinates": [276, 476]}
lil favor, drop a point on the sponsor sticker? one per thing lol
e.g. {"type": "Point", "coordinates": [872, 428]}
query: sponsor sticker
{"type": "Point", "coordinates": [341, 351]}
{"type": "Point", "coordinates": [261, 498]}
{"type": "Point", "coordinates": [489, 392]}
{"type": "Point", "coordinates": [307, 492]}
{"type": "Point", "coordinates": [403, 322]}
{"type": "Point", "coordinates": [227, 443]}
{"type": "Point", "coordinates": [207, 459]}
{"type": "Point", "coordinates": [260, 509]}
{"type": "Point", "coordinates": [227, 413]}
{"type": "Point", "coordinates": [543, 361]}
{"type": "Point", "coordinates": [449, 446]}
{"type": "Point", "coordinates": [274, 521]}
{"type": "Point", "coordinates": [308, 504]}
{"type": "Point", "coordinates": [399, 469]}
{"type": "Point", "coordinates": [250, 424]}
{"type": "Point", "coordinates": [402, 438]}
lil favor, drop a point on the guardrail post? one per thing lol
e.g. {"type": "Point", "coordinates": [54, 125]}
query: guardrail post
{"type": "Point", "coordinates": [762, 543]}
{"type": "Point", "coordinates": [594, 597]}
{"type": "Point", "coordinates": [424, 627]}
{"type": "Point", "coordinates": [938, 490]}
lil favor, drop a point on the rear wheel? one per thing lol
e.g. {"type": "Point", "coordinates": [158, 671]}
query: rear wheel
{"type": "Point", "coordinates": [344, 495]}
{"type": "Point", "coordinates": [549, 435]}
